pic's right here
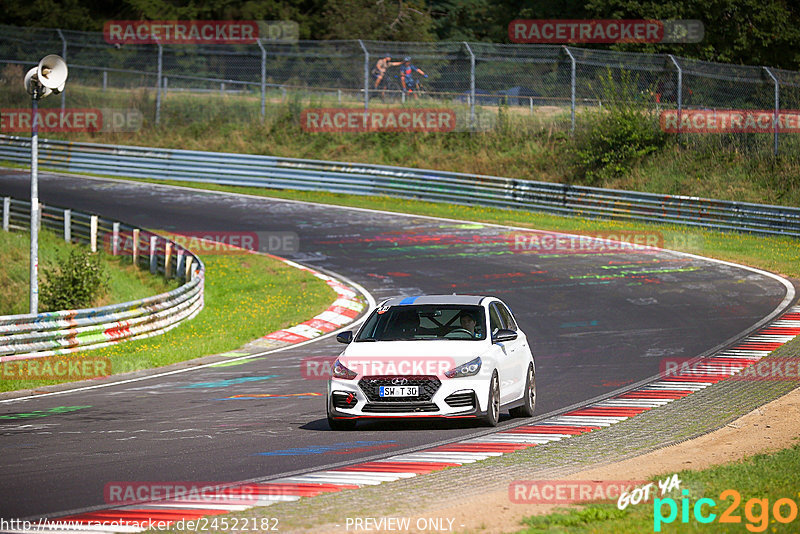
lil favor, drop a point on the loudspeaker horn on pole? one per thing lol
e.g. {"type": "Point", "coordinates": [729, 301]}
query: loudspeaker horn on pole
{"type": "Point", "coordinates": [53, 72]}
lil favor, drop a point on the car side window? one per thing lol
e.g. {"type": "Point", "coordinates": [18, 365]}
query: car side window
{"type": "Point", "coordinates": [508, 319]}
{"type": "Point", "coordinates": [495, 323]}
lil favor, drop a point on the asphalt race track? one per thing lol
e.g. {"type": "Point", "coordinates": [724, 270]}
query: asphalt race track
{"type": "Point", "coordinates": [596, 322]}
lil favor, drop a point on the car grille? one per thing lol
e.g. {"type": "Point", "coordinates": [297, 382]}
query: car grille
{"type": "Point", "coordinates": [428, 386]}
{"type": "Point", "coordinates": [462, 399]}
{"type": "Point", "coordinates": [343, 400]}
{"type": "Point", "coordinates": [401, 407]}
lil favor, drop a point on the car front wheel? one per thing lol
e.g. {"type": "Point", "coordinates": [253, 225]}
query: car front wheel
{"type": "Point", "coordinates": [493, 406]}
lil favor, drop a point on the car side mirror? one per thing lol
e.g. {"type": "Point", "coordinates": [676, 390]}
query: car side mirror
{"type": "Point", "coordinates": [347, 336]}
{"type": "Point", "coordinates": [503, 335]}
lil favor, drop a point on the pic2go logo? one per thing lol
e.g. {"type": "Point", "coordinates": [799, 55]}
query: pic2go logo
{"type": "Point", "coordinates": [756, 511]}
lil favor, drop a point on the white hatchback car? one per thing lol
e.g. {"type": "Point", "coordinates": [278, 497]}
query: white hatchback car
{"type": "Point", "coordinates": [453, 356]}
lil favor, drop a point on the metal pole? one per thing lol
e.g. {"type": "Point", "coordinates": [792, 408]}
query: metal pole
{"type": "Point", "coordinates": [105, 79]}
{"type": "Point", "coordinates": [777, 107]}
{"type": "Point", "coordinates": [572, 90]}
{"type": "Point", "coordinates": [68, 226]}
{"type": "Point", "coordinates": [34, 263]}
{"type": "Point", "coordinates": [366, 78]}
{"type": "Point", "coordinates": [6, 213]}
{"type": "Point", "coordinates": [158, 83]}
{"type": "Point", "coordinates": [471, 86]}
{"type": "Point", "coordinates": [263, 80]}
{"type": "Point", "coordinates": [680, 90]}
{"type": "Point", "coordinates": [64, 56]}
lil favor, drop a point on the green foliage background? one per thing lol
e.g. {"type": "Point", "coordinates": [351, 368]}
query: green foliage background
{"type": "Point", "coordinates": [751, 32]}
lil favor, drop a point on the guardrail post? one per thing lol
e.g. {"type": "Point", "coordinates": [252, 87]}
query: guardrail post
{"type": "Point", "coordinates": [115, 238]}
{"type": "Point", "coordinates": [167, 258]}
{"type": "Point", "coordinates": [6, 213]}
{"type": "Point", "coordinates": [181, 259]}
{"type": "Point", "coordinates": [158, 82]}
{"type": "Point", "coordinates": [153, 257]}
{"type": "Point", "coordinates": [93, 233]}
{"type": "Point", "coordinates": [777, 108]}
{"type": "Point", "coordinates": [68, 226]}
{"type": "Point", "coordinates": [679, 96]}
{"type": "Point", "coordinates": [64, 56]}
{"type": "Point", "coordinates": [471, 87]}
{"type": "Point", "coordinates": [263, 79]}
{"type": "Point", "coordinates": [366, 78]}
{"type": "Point", "coordinates": [572, 90]}
{"type": "Point", "coordinates": [135, 248]}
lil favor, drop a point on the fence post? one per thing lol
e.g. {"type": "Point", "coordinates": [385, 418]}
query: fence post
{"type": "Point", "coordinates": [166, 85]}
{"type": "Point", "coordinates": [471, 87]}
{"type": "Point", "coordinates": [6, 212]}
{"type": "Point", "coordinates": [263, 79]}
{"type": "Point", "coordinates": [68, 226]}
{"type": "Point", "coordinates": [572, 90]}
{"type": "Point", "coordinates": [115, 237]}
{"type": "Point", "coordinates": [135, 254]}
{"type": "Point", "coordinates": [93, 233]}
{"type": "Point", "coordinates": [158, 83]}
{"type": "Point", "coordinates": [366, 78]}
{"type": "Point", "coordinates": [64, 56]}
{"type": "Point", "coordinates": [680, 90]}
{"type": "Point", "coordinates": [777, 107]}
{"type": "Point", "coordinates": [105, 80]}
{"type": "Point", "coordinates": [153, 257]}
{"type": "Point", "coordinates": [167, 258]}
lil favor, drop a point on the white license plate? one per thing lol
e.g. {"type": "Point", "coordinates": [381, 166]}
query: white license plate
{"type": "Point", "coordinates": [398, 391]}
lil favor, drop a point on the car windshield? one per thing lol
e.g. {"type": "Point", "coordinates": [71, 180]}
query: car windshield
{"type": "Point", "coordinates": [412, 323]}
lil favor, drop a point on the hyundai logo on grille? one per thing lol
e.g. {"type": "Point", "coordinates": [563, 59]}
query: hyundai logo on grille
{"type": "Point", "coordinates": [399, 381]}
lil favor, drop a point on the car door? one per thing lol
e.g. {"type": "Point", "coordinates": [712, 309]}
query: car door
{"type": "Point", "coordinates": [507, 366]}
{"type": "Point", "coordinates": [518, 348]}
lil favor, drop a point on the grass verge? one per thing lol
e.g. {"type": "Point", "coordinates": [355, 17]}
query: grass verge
{"type": "Point", "coordinates": [760, 482]}
{"type": "Point", "coordinates": [125, 283]}
{"type": "Point", "coordinates": [255, 293]}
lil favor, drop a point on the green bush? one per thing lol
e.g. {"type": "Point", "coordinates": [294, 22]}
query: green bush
{"type": "Point", "coordinates": [76, 282]}
{"type": "Point", "coordinates": [610, 140]}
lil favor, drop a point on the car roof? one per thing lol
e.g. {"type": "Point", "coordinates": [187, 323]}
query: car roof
{"type": "Point", "coordinates": [471, 300]}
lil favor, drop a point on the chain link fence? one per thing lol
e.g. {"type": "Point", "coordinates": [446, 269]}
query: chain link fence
{"type": "Point", "coordinates": [553, 84]}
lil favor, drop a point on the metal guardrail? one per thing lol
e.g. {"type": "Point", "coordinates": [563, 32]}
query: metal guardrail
{"type": "Point", "coordinates": [62, 332]}
{"type": "Point", "coordinates": [430, 185]}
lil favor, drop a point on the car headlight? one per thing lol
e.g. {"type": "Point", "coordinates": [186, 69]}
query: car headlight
{"type": "Point", "coordinates": [340, 371]}
{"type": "Point", "coordinates": [470, 368]}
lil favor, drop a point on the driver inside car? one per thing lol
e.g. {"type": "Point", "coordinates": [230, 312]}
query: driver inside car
{"type": "Point", "coordinates": [468, 322]}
